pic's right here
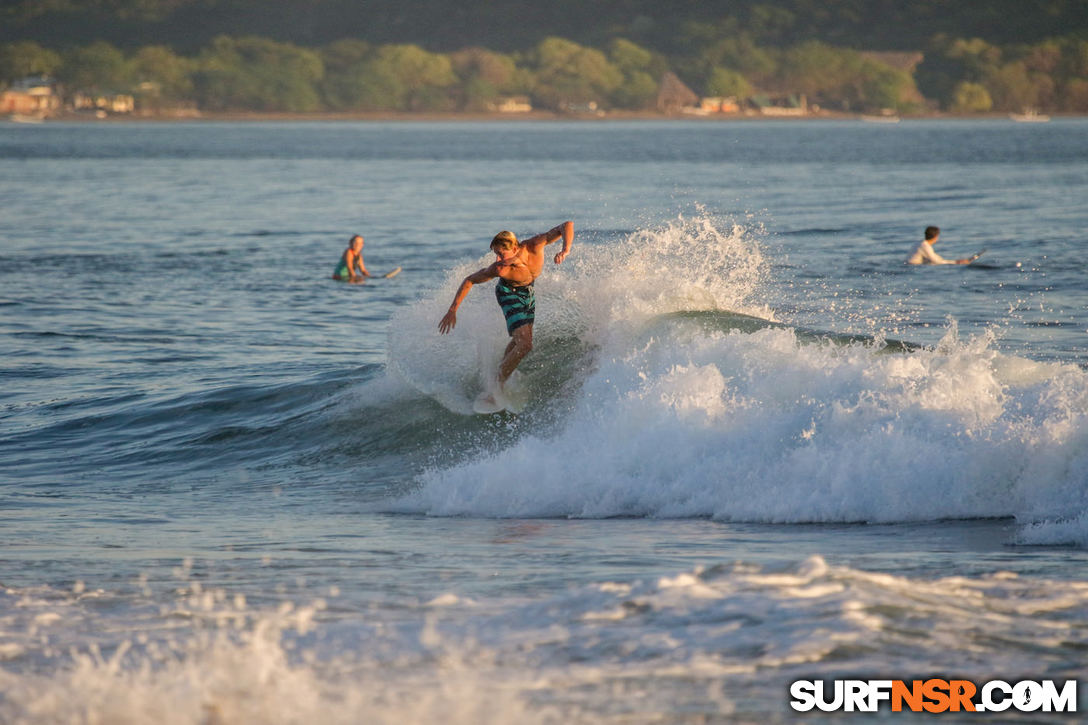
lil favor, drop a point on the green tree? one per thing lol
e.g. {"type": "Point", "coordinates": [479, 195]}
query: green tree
{"type": "Point", "coordinates": [1074, 62]}
{"type": "Point", "coordinates": [640, 69]}
{"type": "Point", "coordinates": [258, 74]}
{"type": "Point", "coordinates": [1071, 76]}
{"type": "Point", "coordinates": [1045, 57]}
{"type": "Point", "coordinates": [1013, 88]}
{"type": "Point", "coordinates": [160, 75]}
{"type": "Point", "coordinates": [819, 71]}
{"type": "Point", "coordinates": [638, 91]}
{"type": "Point", "coordinates": [628, 56]}
{"type": "Point", "coordinates": [570, 73]}
{"type": "Point", "coordinates": [726, 82]}
{"type": "Point", "coordinates": [845, 78]}
{"type": "Point", "coordinates": [344, 85]}
{"type": "Point", "coordinates": [976, 54]}
{"type": "Point", "coordinates": [407, 78]}
{"type": "Point", "coordinates": [498, 70]}
{"type": "Point", "coordinates": [813, 66]}
{"type": "Point", "coordinates": [26, 58]}
{"type": "Point", "coordinates": [740, 53]}
{"type": "Point", "coordinates": [709, 46]}
{"type": "Point", "coordinates": [952, 61]}
{"type": "Point", "coordinates": [485, 75]}
{"type": "Point", "coordinates": [881, 87]}
{"type": "Point", "coordinates": [970, 98]}
{"type": "Point", "coordinates": [96, 68]}
{"type": "Point", "coordinates": [1075, 95]}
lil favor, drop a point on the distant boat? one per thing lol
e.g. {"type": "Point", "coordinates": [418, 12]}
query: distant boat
{"type": "Point", "coordinates": [1030, 115]}
{"type": "Point", "coordinates": [24, 118]}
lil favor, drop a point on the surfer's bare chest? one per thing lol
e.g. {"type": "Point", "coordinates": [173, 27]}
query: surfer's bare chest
{"type": "Point", "coordinates": [521, 269]}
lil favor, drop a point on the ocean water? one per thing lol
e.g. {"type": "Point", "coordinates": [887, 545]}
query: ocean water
{"type": "Point", "coordinates": [757, 447]}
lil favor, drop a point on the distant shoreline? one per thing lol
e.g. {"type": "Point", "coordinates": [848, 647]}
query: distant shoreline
{"type": "Point", "coordinates": [423, 116]}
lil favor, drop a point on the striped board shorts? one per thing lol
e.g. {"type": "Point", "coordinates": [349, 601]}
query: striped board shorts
{"type": "Point", "coordinates": [518, 304]}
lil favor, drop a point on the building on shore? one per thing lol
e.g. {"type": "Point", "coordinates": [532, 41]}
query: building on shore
{"type": "Point", "coordinates": [793, 105]}
{"type": "Point", "coordinates": [34, 97]}
{"type": "Point", "coordinates": [103, 103]}
{"type": "Point", "coordinates": [511, 104]}
{"type": "Point", "coordinates": [673, 96]}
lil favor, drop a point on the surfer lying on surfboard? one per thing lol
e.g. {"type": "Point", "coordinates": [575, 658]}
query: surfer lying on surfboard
{"type": "Point", "coordinates": [517, 265]}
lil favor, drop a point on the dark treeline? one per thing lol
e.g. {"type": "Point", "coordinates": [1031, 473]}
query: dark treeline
{"type": "Point", "coordinates": [334, 55]}
{"type": "Point", "coordinates": [506, 25]}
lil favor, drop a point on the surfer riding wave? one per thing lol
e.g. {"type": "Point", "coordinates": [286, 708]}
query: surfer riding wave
{"type": "Point", "coordinates": [517, 265]}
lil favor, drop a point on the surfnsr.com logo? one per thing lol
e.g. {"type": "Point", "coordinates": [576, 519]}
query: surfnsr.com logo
{"type": "Point", "coordinates": [933, 695]}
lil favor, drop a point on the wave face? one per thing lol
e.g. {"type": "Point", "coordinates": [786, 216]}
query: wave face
{"type": "Point", "coordinates": [663, 386]}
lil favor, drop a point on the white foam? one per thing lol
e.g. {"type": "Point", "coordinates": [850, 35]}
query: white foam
{"type": "Point", "coordinates": [688, 265]}
{"type": "Point", "coordinates": [215, 664]}
{"type": "Point", "coordinates": [678, 420]}
{"type": "Point", "coordinates": [688, 644]}
{"type": "Point", "coordinates": [1057, 531]}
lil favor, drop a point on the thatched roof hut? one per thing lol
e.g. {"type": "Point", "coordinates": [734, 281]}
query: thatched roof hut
{"type": "Point", "coordinates": [672, 95]}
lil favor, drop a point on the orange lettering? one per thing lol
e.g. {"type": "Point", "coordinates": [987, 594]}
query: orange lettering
{"type": "Point", "coordinates": [935, 690]}
{"type": "Point", "coordinates": [961, 693]}
{"type": "Point", "coordinates": [912, 696]}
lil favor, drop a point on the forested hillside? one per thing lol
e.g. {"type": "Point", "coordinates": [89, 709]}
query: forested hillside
{"type": "Point", "coordinates": [508, 25]}
{"type": "Point", "coordinates": [903, 56]}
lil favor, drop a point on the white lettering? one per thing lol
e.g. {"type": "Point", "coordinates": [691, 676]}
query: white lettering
{"type": "Point", "coordinates": [803, 695]}
{"type": "Point", "coordinates": [1065, 701]}
{"type": "Point", "coordinates": [879, 691]}
{"type": "Point", "coordinates": [992, 705]}
{"type": "Point", "coordinates": [822, 703]}
{"type": "Point", "coordinates": [855, 695]}
{"type": "Point", "coordinates": [1027, 696]}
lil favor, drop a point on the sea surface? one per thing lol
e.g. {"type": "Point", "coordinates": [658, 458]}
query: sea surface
{"type": "Point", "coordinates": [757, 446]}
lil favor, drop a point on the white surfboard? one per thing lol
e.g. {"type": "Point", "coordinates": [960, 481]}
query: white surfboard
{"type": "Point", "coordinates": [487, 403]}
{"type": "Point", "coordinates": [511, 397]}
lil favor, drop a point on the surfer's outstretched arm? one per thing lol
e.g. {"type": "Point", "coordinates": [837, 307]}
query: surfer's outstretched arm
{"type": "Point", "coordinates": [564, 231]}
{"type": "Point", "coordinates": [449, 320]}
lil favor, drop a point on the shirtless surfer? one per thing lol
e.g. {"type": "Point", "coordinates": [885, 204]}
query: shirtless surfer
{"type": "Point", "coordinates": [349, 260]}
{"type": "Point", "coordinates": [517, 265]}
{"type": "Point", "coordinates": [924, 254]}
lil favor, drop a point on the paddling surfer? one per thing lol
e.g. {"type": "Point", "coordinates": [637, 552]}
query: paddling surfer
{"type": "Point", "coordinates": [517, 265]}
{"type": "Point", "coordinates": [924, 253]}
{"type": "Point", "coordinates": [350, 260]}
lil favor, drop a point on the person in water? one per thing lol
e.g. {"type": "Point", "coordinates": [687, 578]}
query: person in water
{"type": "Point", "coordinates": [517, 265]}
{"type": "Point", "coordinates": [924, 254]}
{"type": "Point", "coordinates": [351, 259]}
